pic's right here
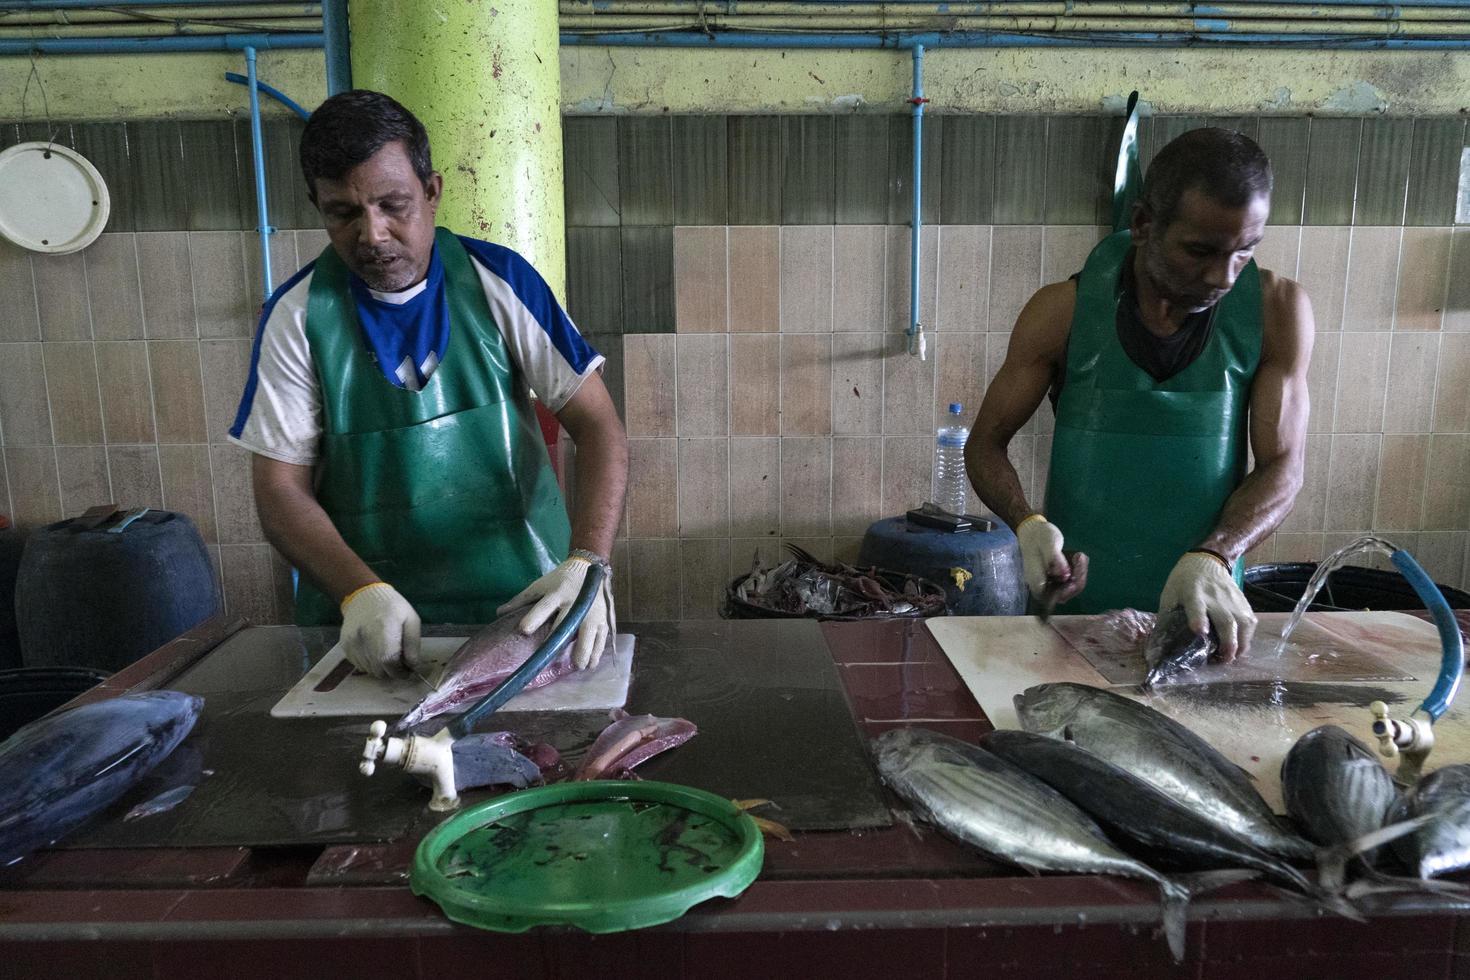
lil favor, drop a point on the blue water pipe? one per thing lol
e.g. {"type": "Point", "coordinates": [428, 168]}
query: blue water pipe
{"type": "Point", "coordinates": [272, 91]}
{"type": "Point", "coordinates": [159, 45]}
{"type": "Point", "coordinates": [1452, 664]}
{"type": "Point", "coordinates": [915, 331]}
{"type": "Point", "coordinates": [1011, 39]}
{"type": "Point", "coordinates": [337, 46]}
{"type": "Point", "coordinates": [257, 148]}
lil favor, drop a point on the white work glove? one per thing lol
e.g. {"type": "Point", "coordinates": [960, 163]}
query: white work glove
{"type": "Point", "coordinates": [1201, 584]}
{"type": "Point", "coordinates": [380, 630]}
{"type": "Point", "coordinates": [555, 592]}
{"type": "Point", "coordinates": [1050, 576]}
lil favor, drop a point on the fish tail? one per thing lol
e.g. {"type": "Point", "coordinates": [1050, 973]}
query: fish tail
{"type": "Point", "coordinates": [1376, 883]}
{"type": "Point", "coordinates": [1175, 892]}
{"type": "Point", "coordinates": [1332, 862]}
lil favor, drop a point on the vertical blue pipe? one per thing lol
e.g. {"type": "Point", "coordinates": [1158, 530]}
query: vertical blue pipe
{"type": "Point", "coordinates": [917, 222]}
{"type": "Point", "coordinates": [258, 154]}
{"type": "Point", "coordinates": [335, 42]}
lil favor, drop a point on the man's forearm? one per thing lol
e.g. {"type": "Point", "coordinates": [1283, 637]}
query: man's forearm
{"type": "Point", "coordinates": [996, 483]}
{"type": "Point", "coordinates": [601, 481]}
{"type": "Point", "coordinates": [298, 527]}
{"type": "Point", "coordinates": [1255, 509]}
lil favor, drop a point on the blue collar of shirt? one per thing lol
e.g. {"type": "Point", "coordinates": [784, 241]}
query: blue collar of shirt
{"type": "Point", "coordinates": [407, 340]}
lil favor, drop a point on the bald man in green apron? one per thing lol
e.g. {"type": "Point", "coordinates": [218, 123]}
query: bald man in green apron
{"type": "Point", "coordinates": [398, 462]}
{"type": "Point", "coordinates": [1168, 358]}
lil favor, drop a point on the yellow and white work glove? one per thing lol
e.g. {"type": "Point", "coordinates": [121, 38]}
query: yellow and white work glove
{"type": "Point", "coordinates": [556, 591]}
{"type": "Point", "coordinates": [380, 630]}
{"type": "Point", "coordinates": [1201, 582]}
{"type": "Point", "coordinates": [1042, 561]}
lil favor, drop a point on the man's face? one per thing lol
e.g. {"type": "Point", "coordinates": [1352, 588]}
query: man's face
{"type": "Point", "coordinates": [380, 218]}
{"type": "Point", "coordinates": [1195, 261]}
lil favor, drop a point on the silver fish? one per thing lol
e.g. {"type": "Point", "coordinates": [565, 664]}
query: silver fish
{"type": "Point", "coordinates": [1442, 844]}
{"type": "Point", "coordinates": [481, 663]}
{"type": "Point", "coordinates": [1173, 650]}
{"type": "Point", "coordinates": [631, 740]}
{"type": "Point", "coordinates": [1162, 753]}
{"type": "Point", "coordinates": [1134, 813]}
{"type": "Point", "coordinates": [1335, 787]}
{"type": "Point", "coordinates": [991, 805]}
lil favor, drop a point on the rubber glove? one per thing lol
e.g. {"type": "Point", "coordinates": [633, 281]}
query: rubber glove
{"type": "Point", "coordinates": [380, 630]}
{"type": "Point", "coordinates": [556, 591]}
{"type": "Point", "coordinates": [1049, 574]}
{"type": "Point", "coordinates": [1203, 585]}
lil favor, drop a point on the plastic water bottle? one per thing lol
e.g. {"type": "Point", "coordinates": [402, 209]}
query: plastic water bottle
{"type": "Point", "coordinates": [950, 481]}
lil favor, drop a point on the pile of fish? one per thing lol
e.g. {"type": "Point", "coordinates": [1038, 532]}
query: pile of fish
{"type": "Point", "coordinates": [1099, 783]}
{"type": "Point", "coordinates": [804, 586]}
{"type": "Point", "coordinates": [65, 768]}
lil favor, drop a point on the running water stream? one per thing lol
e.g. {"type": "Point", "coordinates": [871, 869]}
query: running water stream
{"type": "Point", "coordinates": [1329, 565]}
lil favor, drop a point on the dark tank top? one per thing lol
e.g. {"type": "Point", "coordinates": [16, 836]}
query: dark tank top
{"type": "Point", "coordinates": [1160, 357]}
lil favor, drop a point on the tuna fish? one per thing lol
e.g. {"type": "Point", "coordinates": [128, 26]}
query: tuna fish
{"type": "Point", "coordinates": [631, 740]}
{"type": "Point", "coordinates": [1173, 651]}
{"type": "Point", "coordinates": [481, 663]}
{"type": "Point", "coordinates": [64, 768]}
{"type": "Point", "coordinates": [1335, 788]}
{"type": "Point", "coordinates": [1442, 843]}
{"type": "Point", "coordinates": [1162, 753]}
{"type": "Point", "coordinates": [988, 803]}
{"type": "Point", "coordinates": [1135, 814]}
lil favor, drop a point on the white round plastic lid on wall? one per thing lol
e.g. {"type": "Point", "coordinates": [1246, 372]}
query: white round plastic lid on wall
{"type": "Point", "coordinates": [51, 198]}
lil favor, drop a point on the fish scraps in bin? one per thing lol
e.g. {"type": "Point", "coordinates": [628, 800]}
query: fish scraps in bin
{"type": "Point", "coordinates": [804, 586]}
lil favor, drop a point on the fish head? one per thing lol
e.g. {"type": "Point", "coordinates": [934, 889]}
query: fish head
{"type": "Point", "coordinates": [1048, 708]}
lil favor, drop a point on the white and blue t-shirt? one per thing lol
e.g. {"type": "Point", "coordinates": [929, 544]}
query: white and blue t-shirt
{"type": "Point", "coordinates": [280, 412]}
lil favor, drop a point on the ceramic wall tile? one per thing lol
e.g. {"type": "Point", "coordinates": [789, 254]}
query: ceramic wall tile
{"type": "Point", "coordinates": [1401, 488]}
{"type": "Point", "coordinates": [857, 383]}
{"type": "Point", "coordinates": [17, 295]}
{"type": "Point", "coordinates": [806, 384]}
{"type": "Point", "coordinates": [645, 170]}
{"type": "Point", "coordinates": [1352, 481]}
{"type": "Point", "coordinates": [35, 492]}
{"type": "Point", "coordinates": [703, 398]}
{"type": "Point", "coordinates": [648, 377]}
{"type": "Point", "coordinates": [704, 488]}
{"type": "Point", "coordinates": [178, 393]}
{"type": "Point", "coordinates": [1373, 264]}
{"type": "Point", "coordinates": [136, 479]}
{"type": "Point", "coordinates": [595, 279]}
{"type": "Point", "coordinates": [1409, 404]}
{"type": "Point", "coordinates": [168, 287]}
{"type": "Point", "coordinates": [859, 274]}
{"type": "Point", "coordinates": [755, 384]}
{"type": "Point", "coordinates": [964, 278]}
{"type": "Point", "coordinates": [1423, 279]}
{"type": "Point", "coordinates": [806, 278]}
{"type": "Point", "coordinates": [653, 484]}
{"type": "Point", "coordinates": [857, 483]}
{"type": "Point", "coordinates": [701, 182]}
{"type": "Point", "coordinates": [76, 402]}
{"type": "Point", "coordinates": [113, 289]}
{"type": "Point", "coordinates": [806, 487]}
{"type": "Point", "coordinates": [61, 291]}
{"type": "Point", "coordinates": [701, 293]}
{"type": "Point", "coordinates": [591, 161]}
{"type": "Point", "coordinates": [754, 278]}
{"type": "Point", "coordinates": [1452, 391]}
{"type": "Point", "coordinates": [967, 170]}
{"type": "Point", "coordinates": [860, 168]}
{"type": "Point", "coordinates": [188, 486]}
{"type": "Point", "coordinates": [807, 186]}
{"type": "Point", "coordinates": [82, 475]}
{"type": "Point", "coordinates": [25, 416]}
{"type": "Point", "coordinates": [755, 487]}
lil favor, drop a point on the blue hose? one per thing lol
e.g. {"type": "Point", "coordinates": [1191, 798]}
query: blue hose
{"type": "Point", "coordinates": [544, 654]}
{"type": "Point", "coordinates": [273, 92]}
{"type": "Point", "coordinates": [1453, 664]}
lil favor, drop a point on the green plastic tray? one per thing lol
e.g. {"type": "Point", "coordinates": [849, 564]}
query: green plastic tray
{"type": "Point", "coordinates": [602, 855]}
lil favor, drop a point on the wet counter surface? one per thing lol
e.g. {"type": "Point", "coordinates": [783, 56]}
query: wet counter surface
{"type": "Point", "coordinates": [881, 900]}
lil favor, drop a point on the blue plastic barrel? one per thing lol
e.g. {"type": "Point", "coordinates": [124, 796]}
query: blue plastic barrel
{"type": "Point", "coordinates": [94, 597]}
{"type": "Point", "coordinates": [989, 553]}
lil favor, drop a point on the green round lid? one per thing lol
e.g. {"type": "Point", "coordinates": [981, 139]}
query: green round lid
{"type": "Point", "coordinates": [603, 855]}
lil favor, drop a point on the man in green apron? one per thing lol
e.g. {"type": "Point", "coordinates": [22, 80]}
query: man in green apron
{"type": "Point", "coordinates": [1167, 357]}
{"type": "Point", "coordinates": [397, 460]}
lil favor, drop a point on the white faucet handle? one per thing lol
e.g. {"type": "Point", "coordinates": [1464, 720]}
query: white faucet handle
{"type": "Point", "coordinates": [372, 751]}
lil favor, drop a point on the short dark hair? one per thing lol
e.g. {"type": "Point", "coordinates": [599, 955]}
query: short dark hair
{"type": "Point", "coordinates": [350, 127]}
{"type": "Point", "coordinates": [1227, 166]}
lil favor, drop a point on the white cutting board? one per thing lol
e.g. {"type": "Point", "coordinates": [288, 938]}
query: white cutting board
{"type": "Point", "coordinates": [998, 657]}
{"type": "Point", "coordinates": [357, 694]}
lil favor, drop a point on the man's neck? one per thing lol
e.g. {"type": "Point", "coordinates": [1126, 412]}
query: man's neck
{"type": "Point", "coordinates": [1158, 316]}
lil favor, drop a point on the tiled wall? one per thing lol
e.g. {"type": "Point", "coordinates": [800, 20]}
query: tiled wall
{"type": "Point", "coordinates": [754, 273]}
{"type": "Point", "coordinates": [748, 279]}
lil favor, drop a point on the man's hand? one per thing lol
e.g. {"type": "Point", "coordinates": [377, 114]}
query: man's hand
{"type": "Point", "coordinates": [1050, 576]}
{"type": "Point", "coordinates": [555, 592]}
{"type": "Point", "coordinates": [380, 630]}
{"type": "Point", "coordinates": [1201, 584]}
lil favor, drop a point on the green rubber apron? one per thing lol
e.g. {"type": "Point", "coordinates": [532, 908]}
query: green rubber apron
{"type": "Point", "coordinates": [446, 493]}
{"type": "Point", "coordinates": [1140, 469]}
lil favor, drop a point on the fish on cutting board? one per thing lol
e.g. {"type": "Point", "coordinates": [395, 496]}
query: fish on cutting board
{"type": "Point", "coordinates": [481, 663]}
{"type": "Point", "coordinates": [1174, 652]}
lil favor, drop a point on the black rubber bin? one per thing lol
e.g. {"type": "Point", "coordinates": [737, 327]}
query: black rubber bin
{"type": "Point", "coordinates": [27, 693]}
{"type": "Point", "coordinates": [1278, 587]}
